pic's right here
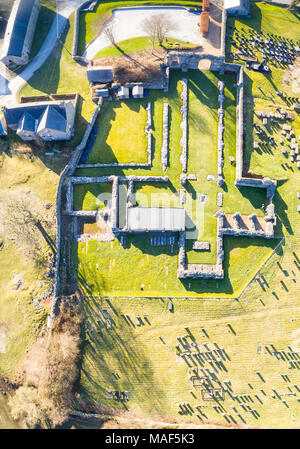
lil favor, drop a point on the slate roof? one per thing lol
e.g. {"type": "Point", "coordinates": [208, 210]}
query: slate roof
{"type": "Point", "coordinates": [14, 114]}
{"type": "Point", "coordinates": [27, 122]}
{"type": "Point", "coordinates": [100, 75]}
{"type": "Point", "coordinates": [53, 119]}
{"type": "Point", "coordinates": [19, 30]}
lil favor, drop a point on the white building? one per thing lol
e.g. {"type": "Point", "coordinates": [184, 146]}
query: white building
{"type": "Point", "coordinates": [123, 93]}
{"type": "Point", "coordinates": [137, 91]}
{"type": "Point", "coordinates": [237, 7]}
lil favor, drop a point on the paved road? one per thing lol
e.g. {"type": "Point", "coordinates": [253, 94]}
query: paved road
{"type": "Point", "coordinates": [10, 89]}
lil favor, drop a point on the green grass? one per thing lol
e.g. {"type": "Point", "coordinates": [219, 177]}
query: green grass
{"type": "Point", "coordinates": [121, 137]}
{"type": "Point", "coordinates": [89, 196]}
{"type": "Point", "coordinates": [145, 260]}
{"type": "Point", "coordinates": [144, 356]}
{"type": "Point", "coordinates": [91, 22]}
{"type": "Point", "coordinates": [137, 44]}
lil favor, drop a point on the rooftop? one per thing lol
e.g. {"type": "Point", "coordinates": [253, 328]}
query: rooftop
{"type": "Point", "coordinates": [155, 219]}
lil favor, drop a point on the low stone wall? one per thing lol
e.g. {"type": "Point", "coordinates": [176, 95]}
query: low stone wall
{"type": "Point", "coordinates": [148, 132]}
{"type": "Point", "coordinates": [223, 33]}
{"type": "Point", "coordinates": [75, 55]}
{"type": "Point", "coordinates": [165, 145]}
{"type": "Point", "coordinates": [69, 170]}
{"type": "Point", "coordinates": [239, 123]}
{"type": "Point", "coordinates": [221, 129]}
{"type": "Point", "coordinates": [184, 125]}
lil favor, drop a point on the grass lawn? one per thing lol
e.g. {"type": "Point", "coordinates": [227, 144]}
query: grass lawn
{"type": "Point", "coordinates": [121, 137]}
{"type": "Point", "coordinates": [103, 266]}
{"type": "Point", "coordinates": [137, 44]}
{"type": "Point", "coordinates": [91, 22]}
{"type": "Point", "coordinates": [157, 380]}
{"type": "Point", "coordinates": [91, 196]}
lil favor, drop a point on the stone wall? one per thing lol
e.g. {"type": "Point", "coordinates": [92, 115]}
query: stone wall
{"type": "Point", "coordinates": [68, 171]}
{"type": "Point", "coordinates": [148, 132]}
{"type": "Point", "coordinates": [221, 129]}
{"type": "Point", "coordinates": [184, 125]}
{"type": "Point", "coordinates": [223, 33]}
{"type": "Point", "coordinates": [75, 55]}
{"type": "Point", "coordinates": [165, 138]}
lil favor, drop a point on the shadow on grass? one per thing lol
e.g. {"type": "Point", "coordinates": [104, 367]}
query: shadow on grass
{"type": "Point", "coordinates": [130, 361]}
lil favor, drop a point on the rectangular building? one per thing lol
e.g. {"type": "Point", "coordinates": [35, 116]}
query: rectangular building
{"type": "Point", "coordinates": [143, 219]}
{"type": "Point", "coordinates": [19, 32]}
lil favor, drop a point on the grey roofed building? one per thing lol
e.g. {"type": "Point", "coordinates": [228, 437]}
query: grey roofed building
{"type": "Point", "coordinates": [237, 7]}
{"type": "Point", "coordinates": [50, 120]}
{"type": "Point", "coordinates": [100, 74]}
{"type": "Point", "coordinates": [142, 219]}
{"type": "Point", "coordinates": [20, 31]}
{"type": "Point", "coordinates": [27, 126]}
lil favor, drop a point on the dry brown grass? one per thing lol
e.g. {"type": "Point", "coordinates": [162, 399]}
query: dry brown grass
{"type": "Point", "coordinates": [138, 67]}
{"type": "Point", "coordinates": [49, 372]}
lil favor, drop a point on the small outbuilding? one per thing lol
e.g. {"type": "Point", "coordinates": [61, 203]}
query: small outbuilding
{"type": "Point", "coordinates": [100, 74]}
{"type": "Point", "coordinates": [19, 32]}
{"type": "Point", "coordinates": [138, 92]}
{"type": "Point", "coordinates": [123, 93]}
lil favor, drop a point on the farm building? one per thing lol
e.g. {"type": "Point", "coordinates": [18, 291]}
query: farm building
{"type": "Point", "coordinates": [99, 74]}
{"type": "Point", "coordinates": [19, 32]}
{"type": "Point", "coordinates": [48, 121]}
{"type": "Point", "coordinates": [204, 23]}
{"type": "Point", "coordinates": [143, 219]}
{"type": "Point", "coordinates": [138, 91]}
{"type": "Point", "coordinates": [237, 7]}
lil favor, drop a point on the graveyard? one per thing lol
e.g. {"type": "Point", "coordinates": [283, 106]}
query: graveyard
{"type": "Point", "coordinates": [154, 267]}
{"type": "Point", "coordinates": [175, 347]}
{"type": "Point", "coordinates": [177, 213]}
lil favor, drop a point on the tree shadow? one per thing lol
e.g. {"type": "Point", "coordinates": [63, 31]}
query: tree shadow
{"type": "Point", "coordinates": [134, 367]}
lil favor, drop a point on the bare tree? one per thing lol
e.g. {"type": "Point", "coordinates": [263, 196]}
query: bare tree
{"type": "Point", "coordinates": [109, 33]}
{"type": "Point", "coordinates": [157, 27]}
{"type": "Point", "coordinates": [295, 5]}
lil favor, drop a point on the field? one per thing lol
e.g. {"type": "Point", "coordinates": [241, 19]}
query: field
{"type": "Point", "coordinates": [118, 140]}
{"type": "Point", "coordinates": [121, 284]}
{"type": "Point", "coordinates": [107, 274]}
{"type": "Point", "coordinates": [138, 344]}
{"type": "Point", "coordinates": [21, 280]}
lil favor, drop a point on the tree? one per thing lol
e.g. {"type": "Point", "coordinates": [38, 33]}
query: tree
{"type": "Point", "coordinates": [157, 27]}
{"type": "Point", "coordinates": [109, 33]}
{"type": "Point", "coordinates": [295, 5]}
